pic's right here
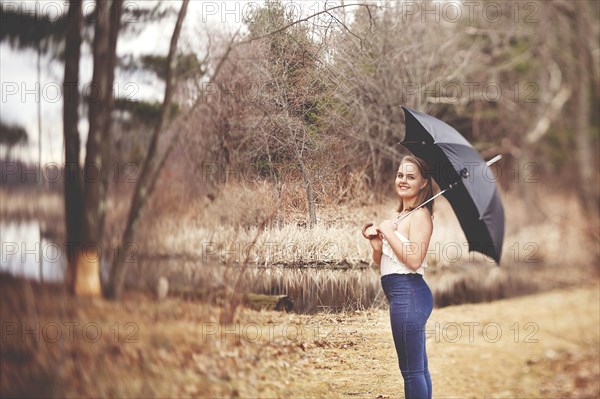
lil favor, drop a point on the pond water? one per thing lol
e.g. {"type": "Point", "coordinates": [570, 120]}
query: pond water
{"type": "Point", "coordinates": [26, 251]}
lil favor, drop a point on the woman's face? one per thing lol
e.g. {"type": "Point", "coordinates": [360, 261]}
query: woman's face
{"type": "Point", "coordinates": [409, 181]}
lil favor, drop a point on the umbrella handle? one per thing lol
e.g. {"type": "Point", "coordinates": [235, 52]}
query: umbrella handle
{"type": "Point", "coordinates": [364, 232]}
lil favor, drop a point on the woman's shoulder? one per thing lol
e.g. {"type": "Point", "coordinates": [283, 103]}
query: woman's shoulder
{"type": "Point", "coordinates": [421, 226]}
{"type": "Point", "coordinates": [422, 216]}
{"type": "Point", "coordinates": [423, 211]}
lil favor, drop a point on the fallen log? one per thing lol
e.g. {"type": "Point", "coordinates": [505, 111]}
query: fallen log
{"type": "Point", "coordinates": [281, 303]}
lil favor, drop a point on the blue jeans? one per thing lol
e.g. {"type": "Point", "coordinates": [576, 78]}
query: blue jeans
{"type": "Point", "coordinates": [411, 303]}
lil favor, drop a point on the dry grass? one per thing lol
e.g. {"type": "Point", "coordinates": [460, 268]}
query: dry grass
{"type": "Point", "coordinates": [222, 229]}
{"type": "Point", "coordinates": [172, 348]}
{"type": "Point", "coordinates": [176, 348]}
{"type": "Point", "coordinates": [229, 223]}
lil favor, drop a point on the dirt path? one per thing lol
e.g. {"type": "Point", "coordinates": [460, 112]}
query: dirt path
{"type": "Point", "coordinates": [544, 346]}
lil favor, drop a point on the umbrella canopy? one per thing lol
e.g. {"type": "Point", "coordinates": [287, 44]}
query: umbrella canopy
{"type": "Point", "coordinates": [458, 167]}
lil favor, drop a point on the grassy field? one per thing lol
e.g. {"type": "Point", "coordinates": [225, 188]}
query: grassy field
{"type": "Point", "coordinates": [537, 346]}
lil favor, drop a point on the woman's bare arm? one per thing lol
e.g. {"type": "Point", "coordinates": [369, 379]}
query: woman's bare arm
{"type": "Point", "coordinates": [377, 256]}
{"type": "Point", "coordinates": [377, 246]}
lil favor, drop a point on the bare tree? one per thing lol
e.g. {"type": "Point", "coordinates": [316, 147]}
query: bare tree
{"type": "Point", "coordinates": [85, 200]}
{"type": "Point", "coordinates": [11, 136]}
{"type": "Point", "coordinates": [584, 41]}
{"type": "Point", "coordinates": [151, 166]}
{"type": "Point", "coordinates": [386, 62]}
{"type": "Point", "coordinates": [73, 190]}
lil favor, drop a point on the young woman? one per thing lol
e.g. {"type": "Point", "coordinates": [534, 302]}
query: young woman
{"type": "Point", "coordinates": [400, 248]}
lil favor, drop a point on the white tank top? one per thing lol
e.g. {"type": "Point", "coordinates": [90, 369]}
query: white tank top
{"type": "Point", "coordinates": [390, 263]}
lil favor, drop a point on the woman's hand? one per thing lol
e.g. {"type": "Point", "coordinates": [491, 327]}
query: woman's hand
{"type": "Point", "coordinates": [376, 243]}
{"type": "Point", "coordinates": [387, 228]}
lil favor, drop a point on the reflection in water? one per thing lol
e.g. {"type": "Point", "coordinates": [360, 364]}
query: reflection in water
{"type": "Point", "coordinates": [26, 252]}
{"type": "Point", "coordinates": [312, 289]}
{"type": "Point", "coordinates": [316, 289]}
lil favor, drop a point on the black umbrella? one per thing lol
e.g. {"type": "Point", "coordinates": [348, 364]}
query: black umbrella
{"type": "Point", "coordinates": [463, 178]}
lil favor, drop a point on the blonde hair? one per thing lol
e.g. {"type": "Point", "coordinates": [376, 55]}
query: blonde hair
{"type": "Point", "coordinates": [427, 191]}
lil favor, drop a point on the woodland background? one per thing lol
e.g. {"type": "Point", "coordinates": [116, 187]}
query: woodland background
{"type": "Point", "coordinates": [270, 137]}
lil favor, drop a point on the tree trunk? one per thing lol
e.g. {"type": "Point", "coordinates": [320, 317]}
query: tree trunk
{"type": "Point", "coordinates": [72, 173]}
{"type": "Point", "coordinates": [373, 154]}
{"type": "Point", "coordinates": [150, 168]}
{"type": "Point", "coordinates": [310, 198]}
{"type": "Point", "coordinates": [116, 12]}
{"type": "Point", "coordinates": [527, 190]}
{"type": "Point", "coordinates": [587, 187]}
{"type": "Point", "coordinates": [87, 280]}
{"type": "Point", "coordinates": [40, 177]}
